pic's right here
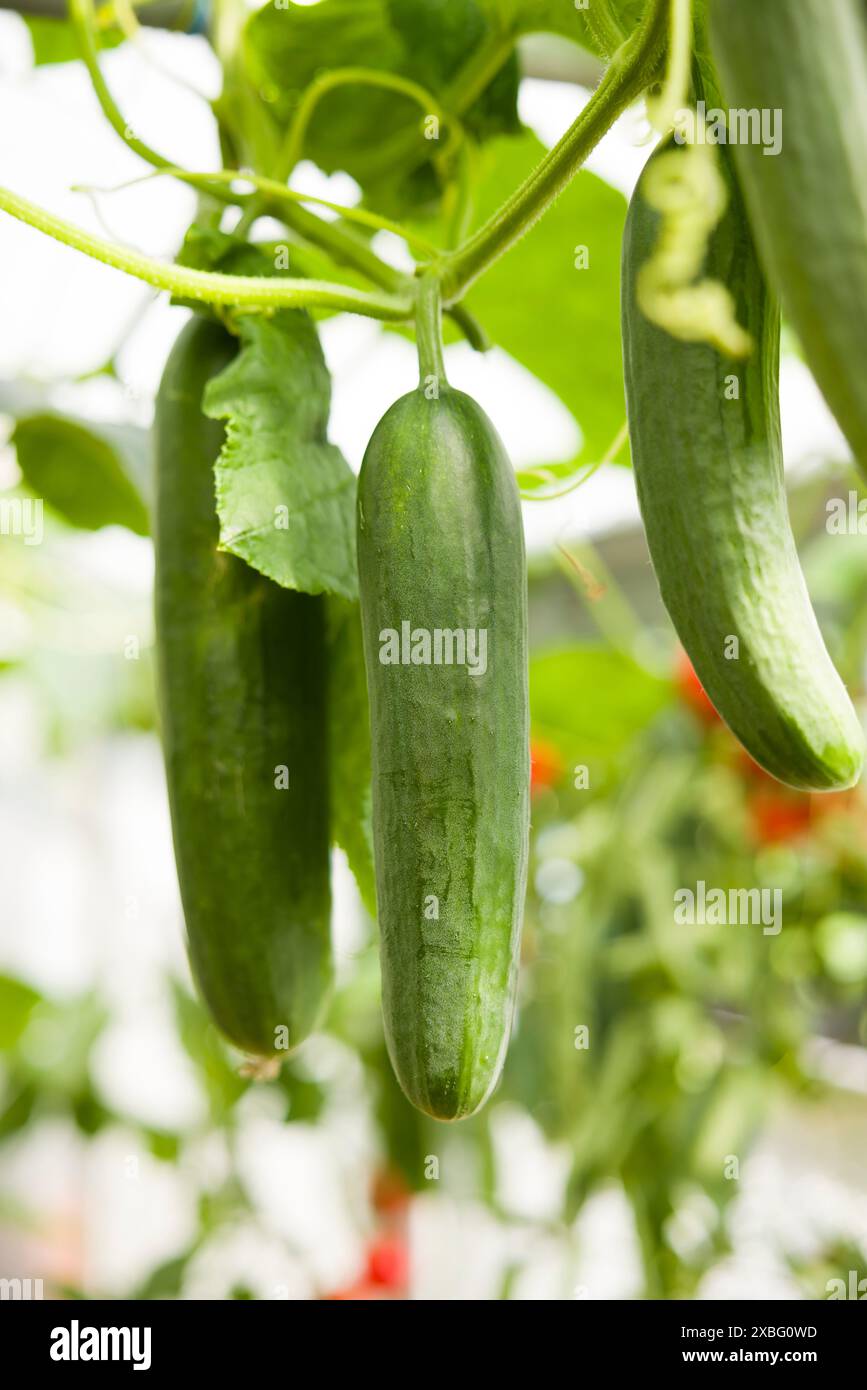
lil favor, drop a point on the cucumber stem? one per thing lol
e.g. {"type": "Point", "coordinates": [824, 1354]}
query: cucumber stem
{"type": "Point", "coordinates": [428, 332]}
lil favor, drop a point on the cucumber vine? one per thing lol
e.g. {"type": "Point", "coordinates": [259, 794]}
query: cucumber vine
{"type": "Point", "coordinates": [635, 64]}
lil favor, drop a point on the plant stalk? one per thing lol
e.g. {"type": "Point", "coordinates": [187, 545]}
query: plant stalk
{"type": "Point", "coordinates": [428, 330]}
{"type": "Point", "coordinates": [633, 68]}
{"type": "Point", "coordinates": [244, 292]}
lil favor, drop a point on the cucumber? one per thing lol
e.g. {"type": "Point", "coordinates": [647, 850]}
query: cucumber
{"type": "Point", "coordinates": [242, 683]}
{"type": "Point", "coordinates": [709, 476]}
{"type": "Point", "coordinates": [441, 548]}
{"type": "Point", "coordinates": [808, 204]}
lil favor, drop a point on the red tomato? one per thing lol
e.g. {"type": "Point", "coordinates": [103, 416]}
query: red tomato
{"type": "Point", "coordinates": [691, 690]}
{"type": "Point", "coordinates": [388, 1263]}
{"type": "Point", "coordinates": [779, 813]}
{"type": "Point", "coordinates": [777, 818]}
{"type": "Point", "coordinates": [546, 765]}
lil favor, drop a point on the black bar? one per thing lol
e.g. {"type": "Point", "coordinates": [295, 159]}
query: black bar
{"type": "Point", "coordinates": [233, 1337]}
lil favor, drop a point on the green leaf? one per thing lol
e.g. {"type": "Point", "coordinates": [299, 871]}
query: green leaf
{"type": "Point", "coordinates": [349, 735]}
{"type": "Point", "coordinates": [207, 248]}
{"type": "Point", "coordinates": [304, 1098]}
{"type": "Point", "coordinates": [285, 496]}
{"type": "Point", "coordinates": [54, 40]}
{"type": "Point", "coordinates": [17, 1002]}
{"type": "Point", "coordinates": [560, 17]}
{"type": "Point", "coordinates": [590, 702]}
{"type": "Point", "coordinates": [167, 1280]}
{"type": "Point", "coordinates": [204, 1047]}
{"type": "Point", "coordinates": [162, 1144]}
{"type": "Point", "coordinates": [79, 1023]}
{"type": "Point", "coordinates": [88, 1112]}
{"type": "Point", "coordinates": [286, 48]}
{"type": "Point", "coordinates": [59, 1044]}
{"type": "Point", "coordinates": [542, 17]}
{"type": "Point", "coordinates": [19, 1102]}
{"type": "Point", "coordinates": [438, 38]}
{"type": "Point", "coordinates": [93, 475]}
{"type": "Point", "coordinates": [561, 323]}
{"type": "Point", "coordinates": [222, 1206]}
{"type": "Point", "coordinates": [374, 134]}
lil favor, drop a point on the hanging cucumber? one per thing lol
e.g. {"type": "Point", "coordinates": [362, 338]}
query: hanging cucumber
{"type": "Point", "coordinates": [444, 610]}
{"type": "Point", "coordinates": [242, 672]}
{"type": "Point", "coordinates": [705, 437]}
{"type": "Point", "coordinates": [807, 61]}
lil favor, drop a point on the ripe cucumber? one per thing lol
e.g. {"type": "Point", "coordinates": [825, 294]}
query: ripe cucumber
{"type": "Point", "coordinates": [242, 675]}
{"type": "Point", "coordinates": [808, 204]}
{"type": "Point", "coordinates": [709, 475]}
{"type": "Point", "coordinates": [441, 548]}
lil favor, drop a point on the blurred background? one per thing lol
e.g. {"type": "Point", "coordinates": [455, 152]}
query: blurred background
{"type": "Point", "coordinates": [683, 1112]}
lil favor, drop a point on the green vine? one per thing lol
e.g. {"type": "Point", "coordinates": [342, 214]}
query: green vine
{"type": "Point", "coordinates": [335, 240]}
{"type": "Point", "coordinates": [341, 77]}
{"type": "Point", "coordinates": [663, 109]}
{"type": "Point", "coordinates": [248, 292]}
{"type": "Point", "coordinates": [634, 67]}
{"type": "Point", "coordinates": [479, 71]}
{"type": "Point", "coordinates": [83, 17]}
{"type": "Point", "coordinates": [280, 193]}
{"type": "Point", "coordinates": [604, 26]}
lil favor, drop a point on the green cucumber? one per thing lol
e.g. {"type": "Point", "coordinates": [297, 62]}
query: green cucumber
{"type": "Point", "coordinates": [242, 675]}
{"type": "Point", "coordinates": [808, 204]}
{"type": "Point", "coordinates": [709, 475]}
{"type": "Point", "coordinates": [441, 548]}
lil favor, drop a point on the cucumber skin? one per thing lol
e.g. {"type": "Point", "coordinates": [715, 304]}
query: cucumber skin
{"type": "Point", "coordinates": [242, 683]}
{"type": "Point", "coordinates": [709, 475]}
{"type": "Point", "coordinates": [441, 545]}
{"type": "Point", "coordinates": [808, 204]}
